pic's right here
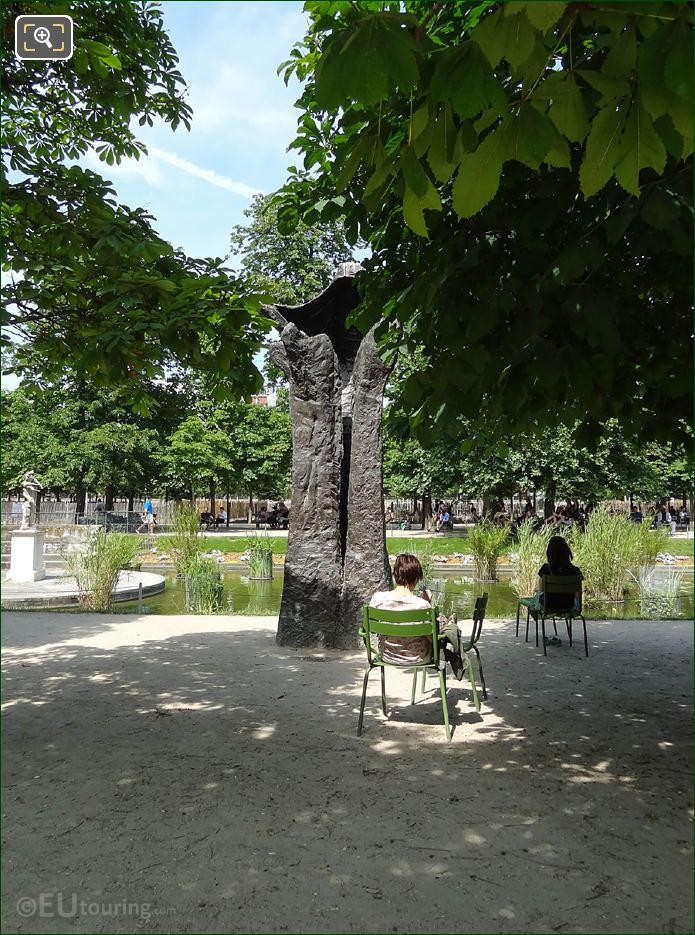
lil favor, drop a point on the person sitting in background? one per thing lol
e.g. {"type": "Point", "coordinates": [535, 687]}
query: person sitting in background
{"type": "Point", "coordinates": [444, 519]}
{"type": "Point", "coordinates": [559, 562]}
{"type": "Point", "coordinates": [206, 518]}
{"type": "Point", "coordinates": [221, 517]}
{"type": "Point", "coordinates": [636, 514]}
{"type": "Point", "coordinates": [99, 506]}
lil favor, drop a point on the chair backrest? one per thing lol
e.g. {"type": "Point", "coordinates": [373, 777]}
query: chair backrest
{"type": "Point", "coordinates": [478, 617]}
{"type": "Point", "coordinates": [568, 585]}
{"type": "Point", "coordinates": [401, 623]}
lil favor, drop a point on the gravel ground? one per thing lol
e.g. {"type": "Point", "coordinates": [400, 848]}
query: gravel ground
{"type": "Point", "coordinates": [185, 774]}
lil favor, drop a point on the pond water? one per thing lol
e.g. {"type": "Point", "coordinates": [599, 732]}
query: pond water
{"type": "Point", "coordinates": [451, 590]}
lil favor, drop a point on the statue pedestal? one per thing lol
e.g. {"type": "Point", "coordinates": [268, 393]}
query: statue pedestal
{"type": "Point", "coordinates": [26, 556]}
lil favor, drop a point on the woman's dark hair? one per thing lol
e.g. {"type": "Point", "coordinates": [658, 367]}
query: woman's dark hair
{"type": "Point", "coordinates": [407, 570]}
{"type": "Point", "coordinates": [559, 553]}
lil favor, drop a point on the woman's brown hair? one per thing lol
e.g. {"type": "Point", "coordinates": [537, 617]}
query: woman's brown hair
{"type": "Point", "coordinates": [407, 570]}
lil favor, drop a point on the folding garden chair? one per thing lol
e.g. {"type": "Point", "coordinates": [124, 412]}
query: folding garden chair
{"type": "Point", "coordinates": [569, 586]}
{"type": "Point", "coordinates": [406, 624]}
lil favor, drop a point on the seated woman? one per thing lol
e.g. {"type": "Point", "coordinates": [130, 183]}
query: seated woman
{"type": "Point", "coordinates": [407, 572]}
{"type": "Point", "coordinates": [559, 562]}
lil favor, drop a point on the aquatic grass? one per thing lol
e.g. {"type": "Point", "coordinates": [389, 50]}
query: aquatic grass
{"type": "Point", "coordinates": [528, 556]}
{"type": "Point", "coordinates": [203, 585]}
{"type": "Point", "coordinates": [95, 564]}
{"type": "Point", "coordinates": [487, 542]}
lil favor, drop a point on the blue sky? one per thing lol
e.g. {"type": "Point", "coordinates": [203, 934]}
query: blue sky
{"type": "Point", "coordinates": [198, 183]}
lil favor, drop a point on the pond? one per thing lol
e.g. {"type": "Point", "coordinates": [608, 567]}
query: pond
{"type": "Point", "coordinates": [452, 590]}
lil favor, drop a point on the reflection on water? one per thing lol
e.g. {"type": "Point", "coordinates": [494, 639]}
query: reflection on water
{"type": "Point", "coordinates": [451, 591]}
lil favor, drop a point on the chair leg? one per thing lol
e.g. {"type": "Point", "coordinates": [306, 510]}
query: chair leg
{"type": "Point", "coordinates": [445, 709]}
{"type": "Point", "coordinates": [383, 689]}
{"type": "Point", "coordinates": [528, 620]}
{"type": "Point", "coordinates": [518, 607]}
{"type": "Point", "coordinates": [471, 676]}
{"type": "Point", "coordinates": [555, 626]}
{"type": "Point", "coordinates": [569, 630]}
{"type": "Point", "coordinates": [545, 648]}
{"type": "Point", "coordinates": [586, 638]}
{"type": "Point", "coordinates": [480, 669]}
{"type": "Point", "coordinates": [364, 695]}
{"type": "Point", "coordinates": [412, 693]}
{"type": "Point", "coordinates": [424, 679]}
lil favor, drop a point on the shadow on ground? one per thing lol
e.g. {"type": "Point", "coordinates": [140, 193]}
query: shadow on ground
{"type": "Point", "coordinates": [190, 773]}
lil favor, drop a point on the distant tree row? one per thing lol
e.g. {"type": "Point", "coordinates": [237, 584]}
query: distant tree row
{"type": "Point", "coordinates": [78, 438]}
{"type": "Point", "coordinates": [552, 463]}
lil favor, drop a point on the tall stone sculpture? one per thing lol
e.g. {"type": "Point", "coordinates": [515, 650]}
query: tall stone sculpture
{"type": "Point", "coordinates": [336, 553]}
{"type": "Point", "coordinates": [31, 488]}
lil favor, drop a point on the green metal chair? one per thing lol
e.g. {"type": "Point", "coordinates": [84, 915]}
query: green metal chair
{"type": "Point", "coordinates": [570, 586]}
{"type": "Point", "coordinates": [406, 624]}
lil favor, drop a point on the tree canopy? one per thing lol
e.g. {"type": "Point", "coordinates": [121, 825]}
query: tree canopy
{"type": "Point", "coordinates": [290, 267]}
{"type": "Point", "coordinates": [92, 288]}
{"type": "Point", "coordinates": [522, 174]}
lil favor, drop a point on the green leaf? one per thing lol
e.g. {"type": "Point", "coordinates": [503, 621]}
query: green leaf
{"type": "Point", "coordinates": [441, 152]}
{"type": "Point", "coordinates": [678, 66]}
{"type": "Point", "coordinates": [479, 173]}
{"type": "Point", "coordinates": [367, 62]}
{"type": "Point", "coordinates": [414, 175]}
{"type": "Point", "coordinates": [542, 15]}
{"type": "Point", "coordinates": [420, 119]}
{"type": "Point", "coordinates": [567, 108]}
{"type": "Point", "coordinates": [660, 210]}
{"type": "Point", "coordinates": [350, 166]}
{"type": "Point", "coordinates": [670, 136]}
{"type": "Point", "coordinates": [412, 212]}
{"type": "Point", "coordinates": [463, 76]}
{"type": "Point", "coordinates": [508, 37]}
{"type": "Point", "coordinates": [601, 150]}
{"type": "Point", "coordinates": [640, 147]}
{"type": "Point", "coordinates": [532, 135]}
{"type": "Point", "coordinates": [611, 89]}
{"type": "Point", "coordinates": [622, 58]}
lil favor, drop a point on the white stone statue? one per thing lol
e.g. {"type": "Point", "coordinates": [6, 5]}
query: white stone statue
{"type": "Point", "coordinates": [31, 488]}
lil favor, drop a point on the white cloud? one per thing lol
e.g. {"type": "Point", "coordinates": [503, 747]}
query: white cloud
{"type": "Point", "coordinates": [208, 175]}
{"type": "Point", "coordinates": [143, 167]}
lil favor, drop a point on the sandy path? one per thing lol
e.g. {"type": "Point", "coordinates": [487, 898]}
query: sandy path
{"type": "Point", "coordinates": [186, 775]}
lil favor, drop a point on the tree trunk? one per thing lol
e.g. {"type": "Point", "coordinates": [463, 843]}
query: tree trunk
{"type": "Point", "coordinates": [56, 493]}
{"type": "Point", "coordinates": [213, 491]}
{"type": "Point", "coordinates": [549, 506]}
{"type": "Point", "coordinates": [131, 499]}
{"type": "Point", "coordinates": [426, 508]}
{"type": "Point", "coordinates": [110, 490]}
{"type": "Point", "coordinates": [81, 499]}
{"type": "Point", "coordinates": [229, 509]}
{"type": "Point", "coordinates": [191, 494]}
{"type": "Point", "coordinates": [251, 508]}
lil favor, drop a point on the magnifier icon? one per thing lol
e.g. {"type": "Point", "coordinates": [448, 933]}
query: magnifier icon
{"type": "Point", "coordinates": [43, 35]}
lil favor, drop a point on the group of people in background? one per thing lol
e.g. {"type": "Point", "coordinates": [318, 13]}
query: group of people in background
{"type": "Point", "coordinates": [277, 517]}
{"type": "Point", "coordinates": [208, 519]}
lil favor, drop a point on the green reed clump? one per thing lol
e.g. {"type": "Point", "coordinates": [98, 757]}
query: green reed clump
{"type": "Point", "coordinates": [528, 556]}
{"type": "Point", "coordinates": [186, 542]}
{"type": "Point", "coordinates": [487, 542]}
{"type": "Point", "coordinates": [203, 585]}
{"type": "Point", "coordinates": [259, 555]}
{"type": "Point", "coordinates": [611, 552]}
{"type": "Point", "coordinates": [96, 564]}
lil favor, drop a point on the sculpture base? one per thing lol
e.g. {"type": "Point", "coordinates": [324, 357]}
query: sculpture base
{"type": "Point", "coordinates": [26, 555]}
